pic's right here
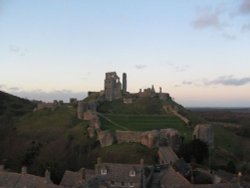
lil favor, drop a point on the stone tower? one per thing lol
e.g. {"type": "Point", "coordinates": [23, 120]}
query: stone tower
{"type": "Point", "coordinates": [112, 86]}
{"type": "Point", "coordinates": [124, 83]}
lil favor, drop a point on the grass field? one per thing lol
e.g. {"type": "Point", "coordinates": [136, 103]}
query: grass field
{"type": "Point", "coordinates": [228, 140]}
{"type": "Point", "coordinates": [143, 123]}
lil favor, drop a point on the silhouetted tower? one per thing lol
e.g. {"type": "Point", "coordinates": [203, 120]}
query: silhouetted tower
{"type": "Point", "coordinates": [112, 86]}
{"type": "Point", "coordinates": [124, 83]}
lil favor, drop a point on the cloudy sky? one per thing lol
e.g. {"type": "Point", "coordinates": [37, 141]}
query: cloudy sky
{"type": "Point", "coordinates": [198, 51]}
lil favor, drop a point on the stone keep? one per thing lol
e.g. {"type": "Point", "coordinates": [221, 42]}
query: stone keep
{"type": "Point", "coordinates": [112, 86]}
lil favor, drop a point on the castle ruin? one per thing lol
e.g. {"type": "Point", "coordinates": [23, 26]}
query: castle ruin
{"type": "Point", "coordinates": [113, 87]}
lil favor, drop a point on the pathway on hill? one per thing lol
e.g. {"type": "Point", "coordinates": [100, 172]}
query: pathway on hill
{"type": "Point", "coordinates": [114, 123]}
{"type": "Point", "coordinates": [166, 107]}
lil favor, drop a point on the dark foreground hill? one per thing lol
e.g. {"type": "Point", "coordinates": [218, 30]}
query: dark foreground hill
{"type": "Point", "coordinates": [55, 139]}
{"type": "Point", "coordinates": [12, 106]}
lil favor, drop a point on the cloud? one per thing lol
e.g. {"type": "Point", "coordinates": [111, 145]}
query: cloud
{"type": "Point", "coordinates": [228, 36]}
{"type": "Point", "coordinates": [14, 89]}
{"type": "Point", "coordinates": [48, 96]}
{"type": "Point", "coordinates": [18, 50]}
{"type": "Point", "coordinates": [245, 7]}
{"type": "Point", "coordinates": [179, 68]}
{"type": "Point", "coordinates": [14, 49]}
{"type": "Point", "coordinates": [141, 66]}
{"type": "Point", "coordinates": [187, 83]}
{"type": "Point", "coordinates": [229, 81]}
{"type": "Point", "coordinates": [245, 27]}
{"type": "Point", "coordinates": [208, 17]}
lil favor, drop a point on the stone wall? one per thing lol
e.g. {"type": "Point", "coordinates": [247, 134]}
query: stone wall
{"type": "Point", "coordinates": [170, 137]}
{"type": "Point", "coordinates": [105, 138]}
{"type": "Point", "coordinates": [205, 133]}
{"type": "Point", "coordinates": [128, 136]}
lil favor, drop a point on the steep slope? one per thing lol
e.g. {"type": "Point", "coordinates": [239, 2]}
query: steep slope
{"type": "Point", "coordinates": [12, 106]}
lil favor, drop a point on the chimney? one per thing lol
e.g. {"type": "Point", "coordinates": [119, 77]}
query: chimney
{"type": "Point", "coordinates": [24, 170]}
{"type": "Point", "coordinates": [99, 160]}
{"type": "Point", "coordinates": [83, 173]}
{"type": "Point", "coordinates": [142, 162]}
{"type": "Point", "coordinates": [1, 168]}
{"type": "Point", "coordinates": [47, 176]}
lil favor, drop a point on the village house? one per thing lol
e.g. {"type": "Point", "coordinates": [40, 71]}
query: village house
{"type": "Point", "coordinates": [124, 175]}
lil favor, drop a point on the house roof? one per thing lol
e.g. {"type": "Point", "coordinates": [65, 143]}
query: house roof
{"type": "Point", "coordinates": [221, 185]}
{"type": "Point", "coordinates": [171, 178]}
{"type": "Point", "coordinates": [74, 179]}
{"type": "Point", "coordinates": [181, 166]}
{"type": "Point", "coordinates": [226, 176]}
{"type": "Point", "coordinates": [16, 180]}
{"type": "Point", "coordinates": [120, 172]}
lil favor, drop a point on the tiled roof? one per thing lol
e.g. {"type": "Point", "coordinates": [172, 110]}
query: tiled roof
{"type": "Point", "coordinates": [226, 176]}
{"type": "Point", "coordinates": [74, 179]}
{"type": "Point", "coordinates": [221, 185]}
{"type": "Point", "coordinates": [171, 178]}
{"type": "Point", "coordinates": [120, 172]}
{"type": "Point", "coordinates": [182, 167]}
{"type": "Point", "coordinates": [15, 180]}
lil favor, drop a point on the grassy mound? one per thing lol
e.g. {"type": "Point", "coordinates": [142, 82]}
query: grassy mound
{"type": "Point", "coordinates": [12, 106]}
{"type": "Point", "coordinates": [133, 152]}
{"type": "Point", "coordinates": [139, 106]}
{"type": "Point", "coordinates": [47, 139]}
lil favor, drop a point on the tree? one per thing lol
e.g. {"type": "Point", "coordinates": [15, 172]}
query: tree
{"type": "Point", "coordinates": [196, 150]}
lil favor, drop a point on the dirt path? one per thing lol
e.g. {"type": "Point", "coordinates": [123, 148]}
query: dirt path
{"type": "Point", "coordinates": [165, 107]}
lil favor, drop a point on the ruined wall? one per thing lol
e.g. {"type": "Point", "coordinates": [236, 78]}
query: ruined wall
{"type": "Point", "coordinates": [170, 137]}
{"type": "Point", "coordinates": [105, 138]}
{"type": "Point", "coordinates": [88, 115]}
{"type": "Point", "coordinates": [205, 133]}
{"type": "Point", "coordinates": [128, 136]}
{"type": "Point", "coordinates": [112, 86]}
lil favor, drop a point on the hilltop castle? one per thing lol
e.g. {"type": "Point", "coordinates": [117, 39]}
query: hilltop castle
{"type": "Point", "coordinates": [112, 86]}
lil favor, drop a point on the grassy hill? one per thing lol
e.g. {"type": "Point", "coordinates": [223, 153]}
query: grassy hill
{"type": "Point", "coordinates": [53, 139]}
{"type": "Point", "coordinates": [12, 106]}
{"type": "Point", "coordinates": [142, 115]}
{"type": "Point", "coordinates": [139, 106]}
{"type": "Point", "coordinates": [58, 141]}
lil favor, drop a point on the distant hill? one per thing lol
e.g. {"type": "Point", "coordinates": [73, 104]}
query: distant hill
{"type": "Point", "coordinates": [12, 106]}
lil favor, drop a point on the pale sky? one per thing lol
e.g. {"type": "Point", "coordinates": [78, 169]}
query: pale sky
{"type": "Point", "coordinates": [198, 51]}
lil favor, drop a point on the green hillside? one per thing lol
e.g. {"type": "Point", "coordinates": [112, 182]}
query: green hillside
{"type": "Point", "coordinates": [139, 106]}
{"type": "Point", "coordinates": [136, 152]}
{"type": "Point", "coordinates": [12, 106]}
{"type": "Point", "coordinates": [58, 141]}
{"type": "Point", "coordinates": [142, 115]}
{"type": "Point", "coordinates": [53, 139]}
{"type": "Point", "coordinates": [143, 122]}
